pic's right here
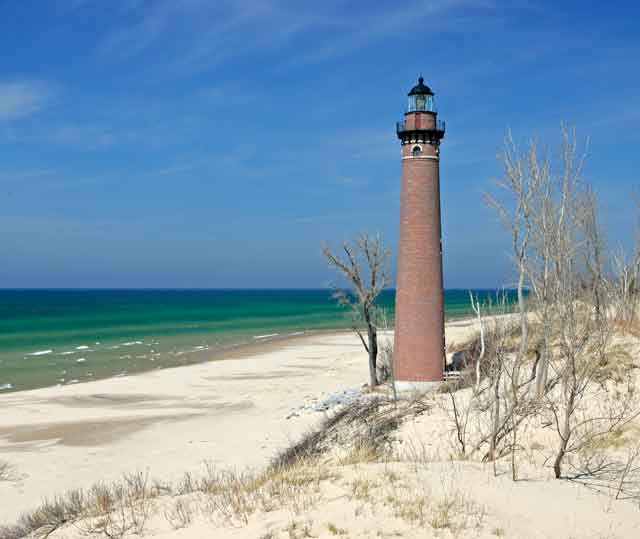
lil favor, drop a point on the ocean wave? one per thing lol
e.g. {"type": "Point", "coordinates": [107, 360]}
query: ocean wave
{"type": "Point", "coordinates": [80, 360]}
{"type": "Point", "coordinates": [131, 343]}
{"type": "Point", "coordinates": [67, 353]}
{"type": "Point", "coordinates": [295, 333]}
{"type": "Point", "coordinates": [4, 387]}
{"type": "Point", "coordinates": [266, 336]}
{"type": "Point", "coordinates": [82, 347]}
{"type": "Point", "coordinates": [40, 353]}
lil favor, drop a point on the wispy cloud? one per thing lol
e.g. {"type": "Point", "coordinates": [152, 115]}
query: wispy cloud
{"type": "Point", "coordinates": [15, 175]}
{"type": "Point", "coordinates": [199, 34]}
{"type": "Point", "coordinates": [24, 98]}
{"type": "Point", "coordinates": [384, 23]}
{"type": "Point", "coordinates": [87, 137]}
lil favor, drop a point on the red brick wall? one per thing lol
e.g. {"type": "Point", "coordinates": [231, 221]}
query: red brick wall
{"type": "Point", "coordinates": [420, 120]}
{"type": "Point", "coordinates": [419, 332]}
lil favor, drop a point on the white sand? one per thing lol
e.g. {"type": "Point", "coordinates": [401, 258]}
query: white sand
{"type": "Point", "coordinates": [238, 413]}
{"type": "Point", "coordinates": [231, 412]}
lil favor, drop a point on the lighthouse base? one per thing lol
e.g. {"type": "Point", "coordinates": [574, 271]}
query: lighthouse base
{"type": "Point", "coordinates": [413, 386]}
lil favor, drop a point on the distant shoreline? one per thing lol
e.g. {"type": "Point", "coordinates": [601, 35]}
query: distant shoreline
{"type": "Point", "coordinates": [238, 351]}
{"type": "Point", "coordinates": [57, 338]}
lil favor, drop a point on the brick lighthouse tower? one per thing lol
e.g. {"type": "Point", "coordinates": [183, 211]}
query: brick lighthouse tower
{"type": "Point", "coordinates": [419, 327]}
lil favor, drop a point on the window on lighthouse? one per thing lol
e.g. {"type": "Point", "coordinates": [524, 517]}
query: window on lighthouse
{"type": "Point", "coordinates": [416, 151]}
{"type": "Point", "coordinates": [421, 102]}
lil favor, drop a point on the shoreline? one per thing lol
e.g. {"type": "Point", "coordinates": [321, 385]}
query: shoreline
{"type": "Point", "coordinates": [223, 353]}
{"type": "Point", "coordinates": [240, 350]}
{"type": "Point", "coordinates": [232, 414]}
{"type": "Point", "coordinates": [172, 420]}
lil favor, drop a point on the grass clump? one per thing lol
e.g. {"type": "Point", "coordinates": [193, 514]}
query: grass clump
{"type": "Point", "coordinates": [7, 471]}
{"type": "Point", "coordinates": [111, 510]}
{"type": "Point", "coordinates": [361, 431]}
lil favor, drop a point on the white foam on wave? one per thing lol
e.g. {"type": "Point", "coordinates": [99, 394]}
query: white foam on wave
{"type": "Point", "coordinates": [80, 360]}
{"type": "Point", "coordinates": [68, 353]}
{"type": "Point", "coordinates": [295, 333]}
{"type": "Point", "coordinates": [266, 336]}
{"type": "Point", "coordinates": [83, 347]}
{"type": "Point", "coordinates": [72, 382]}
{"type": "Point", "coordinates": [3, 387]}
{"type": "Point", "coordinates": [131, 343]}
{"type": "Point", "coordinates": [40, 353]}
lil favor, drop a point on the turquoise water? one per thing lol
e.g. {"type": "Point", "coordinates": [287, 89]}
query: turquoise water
{"type": "Point", "coordinates": [50, 337]}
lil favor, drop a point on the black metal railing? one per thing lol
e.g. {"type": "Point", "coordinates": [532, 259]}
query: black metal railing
{"type": "Point", "coordinates": [401, 127]}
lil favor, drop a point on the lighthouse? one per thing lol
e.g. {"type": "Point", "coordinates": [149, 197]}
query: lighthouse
{"type": "Point", "coordinates": [419, 353]}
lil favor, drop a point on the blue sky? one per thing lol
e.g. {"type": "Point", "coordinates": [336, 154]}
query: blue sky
{"type": "Point", "coordinates": [213, 143]}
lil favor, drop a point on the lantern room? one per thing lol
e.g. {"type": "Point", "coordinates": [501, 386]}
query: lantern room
{"type": "Point", "coordinates": [421, 98]}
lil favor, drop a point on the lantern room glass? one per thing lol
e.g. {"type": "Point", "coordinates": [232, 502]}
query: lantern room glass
{"type": "Point", "coordinates": [420, 102]}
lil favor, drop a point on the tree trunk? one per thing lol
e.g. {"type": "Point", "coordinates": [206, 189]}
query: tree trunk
{"type": "Point", "coordinates": [565, 434]}
{"type": "Point", "coordinates": [557, 464]}
{"type": "Point", "coordinates": [543, 363]}
{"type": "Point", "coordinates": [373, 354]}
{"type": "Point", "coordinates": [524, 327]}
{"type": "Point", "coordinates": [496, 415]}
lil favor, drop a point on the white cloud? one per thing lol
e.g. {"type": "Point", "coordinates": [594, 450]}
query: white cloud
{"type": "Point", "coordinates": [211, 33]}
{"type": "Point", "coordinates": [23, 98]}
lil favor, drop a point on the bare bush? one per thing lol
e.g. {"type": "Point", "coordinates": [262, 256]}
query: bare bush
{"type": "Point", "coordinates": [365, 267]}
{"type": "Point", "coordinates": [622, 288]}
{"type": "Point", "coordinates": [7, 471]}
{"type": "Point", "coordinates": [111, 510]}
{"type": "Point", "coordinates": [180, 515]}
{"type": "Point", "coordinates": [367, 422]}
{"type": "Point", "coordinates": [558, 250]}
{"type": "Point", "coordinates": [487, 414]}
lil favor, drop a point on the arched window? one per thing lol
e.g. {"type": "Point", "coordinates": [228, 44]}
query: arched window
{"type": "Point", "coordinates": [416, 151]}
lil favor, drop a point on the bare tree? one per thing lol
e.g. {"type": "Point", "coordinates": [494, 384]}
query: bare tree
{"type": "Point", "coordinates": [477, 308]}
{"type": "Point", "coordinates": [622, 287]}
{"type": "Point", "coordinates": [365, 266]}
{"type": "Point", "coordinates": [551, 214]}
{"type": "Point", "coordinates": [524, 180]}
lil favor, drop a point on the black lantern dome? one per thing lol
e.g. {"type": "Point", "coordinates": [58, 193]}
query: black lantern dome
{"type": "Point", "coordinates": [421, 88]}
{"type": "Point", "coordinates": [421, 98]}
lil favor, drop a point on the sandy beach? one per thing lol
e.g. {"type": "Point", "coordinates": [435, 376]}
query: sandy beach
{"type": "Point", "coordinates": [233, 413]}
{"type": "Point", "coordinates": [237, 414]}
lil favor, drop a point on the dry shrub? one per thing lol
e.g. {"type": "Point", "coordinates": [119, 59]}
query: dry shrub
{"type": "Point", "coordinates": [7, 471]}
{"type": "Point", "coordinates": [385, 362]}
{"type": "Point", "coordinates": [232, 497]}
{"type": "Point", "coordinates": [501, 336]}
{"type": "Point", "coordinates": [51, 515]}
{"type": "Point", "coordinates": [181, 514]}
{"type": "Point", "coordinates": [365, 425]}
{"type": "Point", "coordinates": [335, 530]}
{"type": "Point", "coordinates": [111, 510]}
